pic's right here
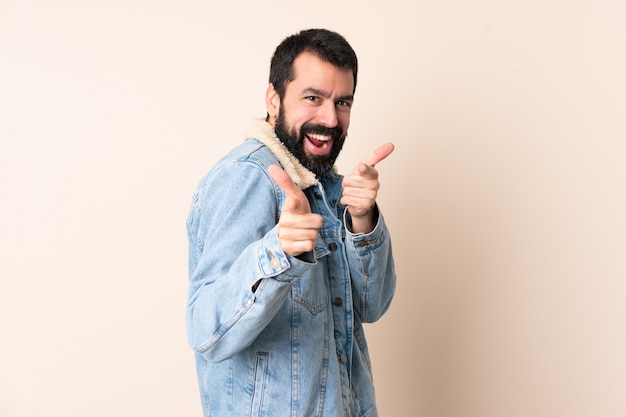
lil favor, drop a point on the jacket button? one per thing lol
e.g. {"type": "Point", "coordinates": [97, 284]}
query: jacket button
{"type": "Point", "coordinates": [338, 301]}
{"type": "Point", "coordinates": [343, 358]}
{"type": "Point", "coordinates": [332, 246]}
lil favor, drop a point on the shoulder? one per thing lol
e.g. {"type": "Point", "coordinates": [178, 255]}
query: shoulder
{"type": "Point", "coordinates": [243, 169]}
{"type": "Point", "coordinates": [250, 151]}
{"type": "Point", "coordinates": [249, 156]}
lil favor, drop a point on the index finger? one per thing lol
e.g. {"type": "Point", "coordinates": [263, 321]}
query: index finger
{"type": "Point", "coordinates": [379, 154]}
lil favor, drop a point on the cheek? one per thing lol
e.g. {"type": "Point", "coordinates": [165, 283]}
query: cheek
{"type": "Point", "coordinates": [296, 116]}
{"type": "Point", "coordinates": [303, 115]}
{"type": "Point", "coordinates": [298, 122]}
{"type": "Point", "coordinates": [344, 121]}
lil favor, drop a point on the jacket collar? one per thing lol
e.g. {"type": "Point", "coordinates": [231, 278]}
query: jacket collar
{"type": "Point", "coordinates": [264, 132]}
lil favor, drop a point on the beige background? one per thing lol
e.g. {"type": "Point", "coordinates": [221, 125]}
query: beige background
{"type": "Point", "coordinates": [506, 196]}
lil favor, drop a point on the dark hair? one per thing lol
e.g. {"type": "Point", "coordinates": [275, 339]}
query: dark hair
{"type": "Point", "coordinates": [329, 46]}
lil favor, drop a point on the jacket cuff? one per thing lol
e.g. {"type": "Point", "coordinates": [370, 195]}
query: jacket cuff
{"type": "Point", "coordinates": [363, 242]}
{"type": "Point", "coordinates": [274, 263]}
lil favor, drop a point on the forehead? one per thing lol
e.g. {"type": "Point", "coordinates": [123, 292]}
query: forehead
{"type": "Point", "coordinates": [311, 72]}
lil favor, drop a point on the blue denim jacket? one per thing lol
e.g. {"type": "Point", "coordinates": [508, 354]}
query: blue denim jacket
{"type": "Point", "coordinates": [276, 335]}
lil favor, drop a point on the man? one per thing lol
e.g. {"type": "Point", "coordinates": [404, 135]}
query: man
{"type": "Point", "coordinates": [287, 258]}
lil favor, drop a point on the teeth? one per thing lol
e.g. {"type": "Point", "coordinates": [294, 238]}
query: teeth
{"type": "Point", "coordinates": [320, 137]}
{"type": "Point", "coordinates": [325, 145]}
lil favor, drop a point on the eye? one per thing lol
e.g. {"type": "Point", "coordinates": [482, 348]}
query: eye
{"type": "Point", "coordinates": [344, 104]}
{"type": "Point", "coordinates": [312, 99]}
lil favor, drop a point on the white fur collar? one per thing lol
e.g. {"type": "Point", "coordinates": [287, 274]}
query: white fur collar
{"type": "Point", "coordinates": [264, 132]}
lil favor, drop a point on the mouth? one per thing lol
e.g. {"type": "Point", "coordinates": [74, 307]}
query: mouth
{"type": "Point", "coordinates": [319, 144]}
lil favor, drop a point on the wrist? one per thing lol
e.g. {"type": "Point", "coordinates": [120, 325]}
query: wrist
{"type": "Point", "coordinates": [364, 223]}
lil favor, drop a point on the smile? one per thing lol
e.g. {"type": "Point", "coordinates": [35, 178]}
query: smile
{"type": "Point", "coordinates": [320, 141]}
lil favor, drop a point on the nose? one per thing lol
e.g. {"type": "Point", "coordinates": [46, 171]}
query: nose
{"type": "Point", "coordinates": [327, 114]}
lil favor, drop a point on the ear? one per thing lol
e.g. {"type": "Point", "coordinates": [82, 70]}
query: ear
{"type": "Point", "coordinates": [272, 103]}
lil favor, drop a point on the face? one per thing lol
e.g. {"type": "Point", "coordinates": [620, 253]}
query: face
{"type": "Point", "coordinates": [312, 119]}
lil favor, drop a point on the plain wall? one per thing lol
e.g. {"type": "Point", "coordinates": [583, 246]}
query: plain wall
{"type": "Point", "coordinates": [506, 196]}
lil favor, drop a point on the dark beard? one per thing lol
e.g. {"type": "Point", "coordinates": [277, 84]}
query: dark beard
{"type": "Point", "coordinates": [320, 165]}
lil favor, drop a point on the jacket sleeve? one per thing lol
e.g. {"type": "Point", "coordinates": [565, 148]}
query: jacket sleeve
{"type": "Point", "coordinates": [372, 270]}
{"type": "Point", "coordinates": [239, 275]}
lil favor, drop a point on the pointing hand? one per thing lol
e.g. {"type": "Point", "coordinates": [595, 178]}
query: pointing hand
{"type": "Point", "coordinates": [297, 226]}
{"type": "Point", "coordinates": [360, 189]}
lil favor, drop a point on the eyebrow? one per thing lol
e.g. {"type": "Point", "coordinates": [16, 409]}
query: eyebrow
{"type": "Point", "coordinates": [325, 94]}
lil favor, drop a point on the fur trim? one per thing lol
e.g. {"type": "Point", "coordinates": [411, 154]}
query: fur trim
{"type": "Point", "coordinates": [264, 132]}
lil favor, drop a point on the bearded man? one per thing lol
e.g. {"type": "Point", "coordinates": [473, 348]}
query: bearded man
{"type": "Point", "coordinates": [287, 258]}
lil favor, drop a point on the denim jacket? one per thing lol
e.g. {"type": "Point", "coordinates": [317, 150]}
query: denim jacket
{"type": "Point", "coordinates": [276, 335]}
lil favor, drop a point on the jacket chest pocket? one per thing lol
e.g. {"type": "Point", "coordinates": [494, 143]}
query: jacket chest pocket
{"type": "Point", "coordinates": [311, 290]}
{"type": "Point", "coordinates": [311, 293]}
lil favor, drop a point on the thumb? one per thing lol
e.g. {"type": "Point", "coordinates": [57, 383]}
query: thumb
{"type": "Point", "coordinates": [295, 197]}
